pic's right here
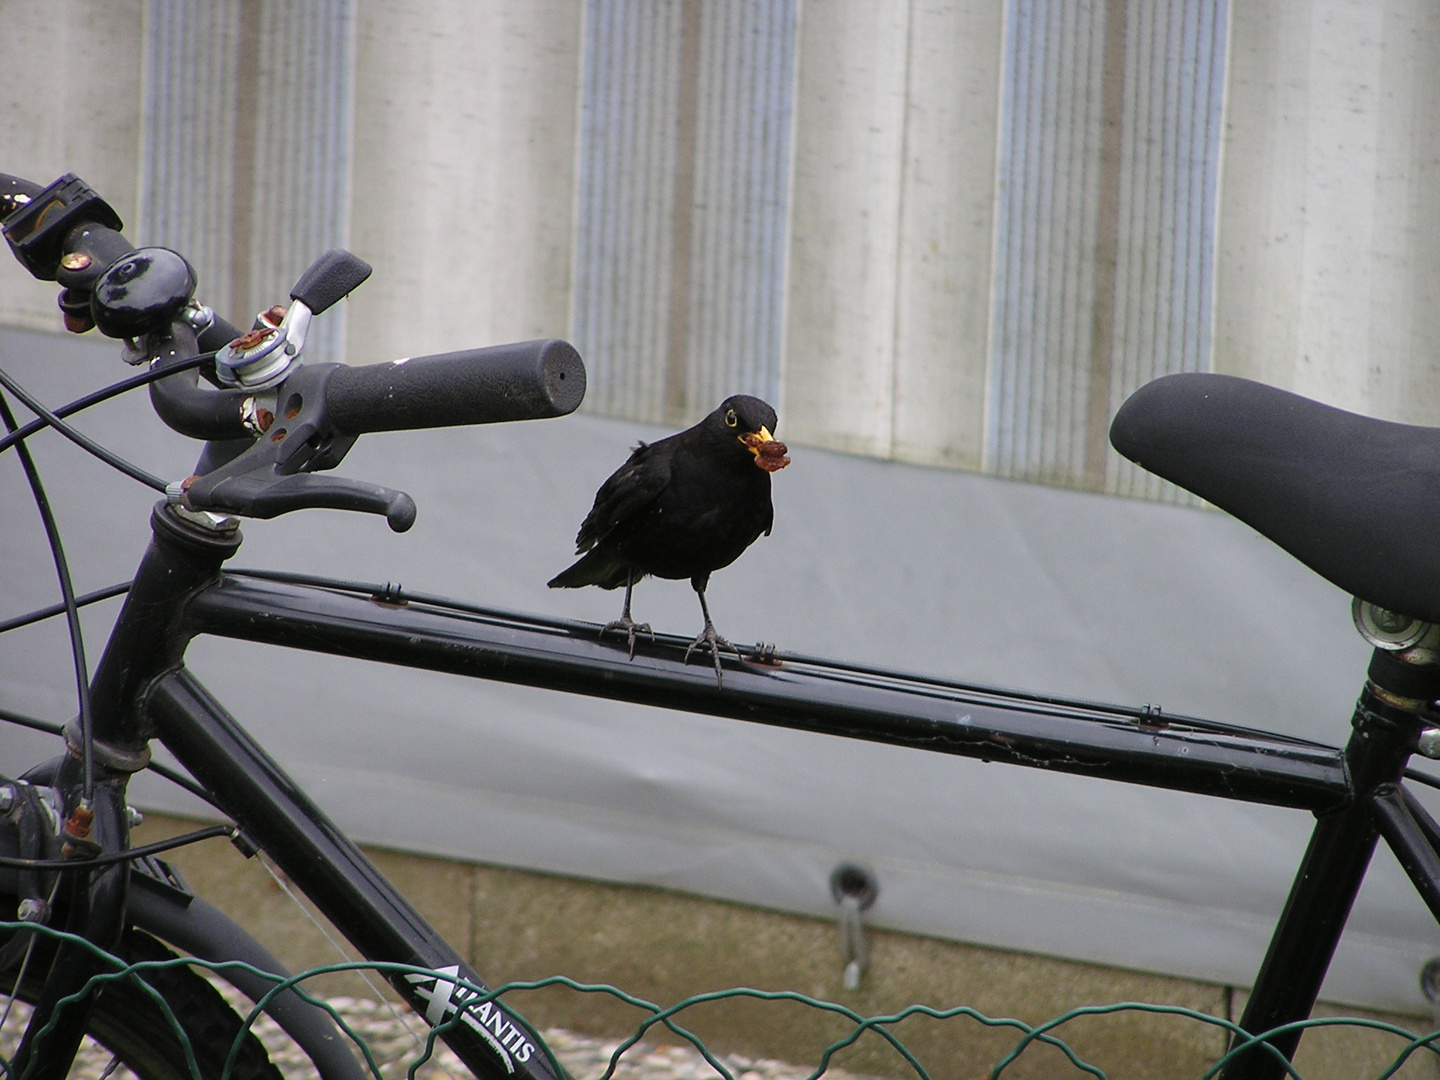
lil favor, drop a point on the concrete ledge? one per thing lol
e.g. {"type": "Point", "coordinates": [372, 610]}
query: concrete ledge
{"type": "Point", "coordinates": [665, 946]}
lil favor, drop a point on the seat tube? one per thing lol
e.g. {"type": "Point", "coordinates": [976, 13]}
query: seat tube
{"type": "Point", "coordinates": [1385, 729]}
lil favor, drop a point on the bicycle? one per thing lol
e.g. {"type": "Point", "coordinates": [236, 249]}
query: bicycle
{"type": "Point", "coordinates": [270, 424]}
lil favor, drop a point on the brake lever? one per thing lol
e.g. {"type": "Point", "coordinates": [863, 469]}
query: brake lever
{"type": "Point", "coordinates": [295, 439]}
{"type": "Point", "coordinates": [254, 494]}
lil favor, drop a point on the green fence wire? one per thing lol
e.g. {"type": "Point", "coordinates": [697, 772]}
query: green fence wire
{"type": "Point", "coordinates": [1028, 1035]}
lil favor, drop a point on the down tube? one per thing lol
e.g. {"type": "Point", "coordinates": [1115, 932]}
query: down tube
{"type": "Point", "coordinates": [275, 813]}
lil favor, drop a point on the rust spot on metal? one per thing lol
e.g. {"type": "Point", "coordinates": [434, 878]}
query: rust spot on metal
{"type": "Point", "coordinates": [1151, 719]}
{"type": "Point", "coordinates": [78, 824]}
{"type": "Point", "coordinates": [765, 654]}
{"type": "Point", "coordinates": [390, 596]}
{"type": "Point", "coordinates": [252, 338]}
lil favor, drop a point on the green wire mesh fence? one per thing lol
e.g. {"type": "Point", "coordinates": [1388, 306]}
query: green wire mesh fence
{"type": "Point", "coordinates": [665, 1020]}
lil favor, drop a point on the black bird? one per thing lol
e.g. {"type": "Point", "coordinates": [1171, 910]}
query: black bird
{"type": "Point", "coordinates": [682, 507]}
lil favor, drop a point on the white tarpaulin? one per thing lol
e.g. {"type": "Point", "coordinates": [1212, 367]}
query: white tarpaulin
{"type": "Point", "coordinates": [921, 569]}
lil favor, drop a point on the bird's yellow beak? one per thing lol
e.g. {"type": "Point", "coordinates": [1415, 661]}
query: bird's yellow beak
{"type": "Point", "coordinates": [756, 439]}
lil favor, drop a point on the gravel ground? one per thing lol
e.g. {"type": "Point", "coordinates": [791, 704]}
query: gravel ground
{"type": "Point", "coordinates": [395, 1049]}
{"type": "Point", "coordinates": [584, 1057]}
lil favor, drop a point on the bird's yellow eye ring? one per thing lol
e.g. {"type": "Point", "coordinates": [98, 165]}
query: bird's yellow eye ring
{"type": "Point", "coordinates": [731, 420]}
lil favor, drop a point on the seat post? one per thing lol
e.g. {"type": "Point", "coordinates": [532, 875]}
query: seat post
{"type": "Point", "coordinates": [1386, 727]}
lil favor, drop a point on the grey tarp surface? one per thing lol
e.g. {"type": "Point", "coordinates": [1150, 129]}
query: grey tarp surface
{"type": "Point", "coordinates": [923, 569]}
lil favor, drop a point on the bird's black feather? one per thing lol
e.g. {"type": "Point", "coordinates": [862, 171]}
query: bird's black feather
{"type": "Point", "coordinates": [682, 507]}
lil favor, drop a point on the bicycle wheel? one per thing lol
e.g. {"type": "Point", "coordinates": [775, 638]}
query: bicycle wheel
{"type": "Point", "coordinates": [134, 1032]}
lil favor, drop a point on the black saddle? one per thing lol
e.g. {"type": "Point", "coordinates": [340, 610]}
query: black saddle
{"type": "Point", "coordinates": [1355, 499]}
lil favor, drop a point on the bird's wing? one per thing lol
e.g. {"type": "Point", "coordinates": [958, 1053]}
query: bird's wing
{"type": "Point", "coordinates": [633, 486]}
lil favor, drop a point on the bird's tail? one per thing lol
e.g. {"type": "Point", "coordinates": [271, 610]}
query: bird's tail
{"type": "Point", "coordinates": [595, 568]}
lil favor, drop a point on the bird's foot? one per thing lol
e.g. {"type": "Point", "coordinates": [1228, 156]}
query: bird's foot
{"type": "Point", "coordinates": [708, 638]}
{"type": "Point", "coordinates": [631, 628]}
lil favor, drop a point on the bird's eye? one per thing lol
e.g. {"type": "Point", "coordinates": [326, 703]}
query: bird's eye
{"type": "Point", "coordinates": [730, 418]}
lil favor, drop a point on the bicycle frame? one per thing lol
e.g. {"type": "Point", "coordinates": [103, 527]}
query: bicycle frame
{"type": "Point", "coordinates": [141, 691]}
{"type": "Point", "coordinates": [1355, 793]}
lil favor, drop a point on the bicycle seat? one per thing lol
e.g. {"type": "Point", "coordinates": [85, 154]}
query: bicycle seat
{"type": "Point", "coordinates": [1355, 499]}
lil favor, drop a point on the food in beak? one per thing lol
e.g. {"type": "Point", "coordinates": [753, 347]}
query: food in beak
{"type": "Point", "coordinates": [770, 453]}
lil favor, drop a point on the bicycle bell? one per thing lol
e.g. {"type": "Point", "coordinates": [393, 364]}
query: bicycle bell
{"type": "Point", "coordinates": [141, 292]}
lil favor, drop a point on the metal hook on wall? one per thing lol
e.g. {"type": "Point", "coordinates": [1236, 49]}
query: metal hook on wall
{"type": "Point", "coordinates": [854, 889]}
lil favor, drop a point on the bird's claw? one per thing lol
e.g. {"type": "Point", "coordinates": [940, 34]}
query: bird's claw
{"type": "Point", "coordinates": [708, 638]}
{"type": "Point", "coordinates": [631, 628]}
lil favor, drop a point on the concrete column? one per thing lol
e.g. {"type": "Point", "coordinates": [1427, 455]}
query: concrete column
{"type": "Point", "coordinates": [839, 366]}
{"type": "Point", "coordinates": [1329, 266]}
{"type": "Point", "coordinates": [892, 213]}
{"type": "Point", "coordinates": [69, 102]}
{"type": "Point", "coordinates": [464, 160]}
{"type": "Point", "coordinates": [947, 216]}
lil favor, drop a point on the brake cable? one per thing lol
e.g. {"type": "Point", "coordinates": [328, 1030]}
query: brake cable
{"type": "Point", "coordinates": [105, 394]}
{"type": "Point", "coordinates": [16, 437]}
{"type": "Point", "coordinates": [67, 593]}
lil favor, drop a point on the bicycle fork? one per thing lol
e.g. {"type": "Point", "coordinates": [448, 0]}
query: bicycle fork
{"type": "Point", "coordinates": [1389, 719]}
{"type": "Point", "coordinates": [93, 901]}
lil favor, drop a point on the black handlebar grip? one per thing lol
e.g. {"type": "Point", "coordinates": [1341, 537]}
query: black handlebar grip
{"type": "Point", "coordinates": [531, 380]}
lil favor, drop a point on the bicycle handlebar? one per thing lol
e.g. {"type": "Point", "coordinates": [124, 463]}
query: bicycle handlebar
{"type": "Point", "coordinates": [530, 380]}
{"type": "Point", "coordinates": [302, 419]}
{"type": "Point", "coordinates": [320, 410]}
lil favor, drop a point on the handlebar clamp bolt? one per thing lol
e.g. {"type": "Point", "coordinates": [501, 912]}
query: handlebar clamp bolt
{"type": "Point", "coordinates": [208, 520]}
{"type": "Point", "coordinates": [198, 316]}
{"type": "Point", "coordinates": [256, 418]}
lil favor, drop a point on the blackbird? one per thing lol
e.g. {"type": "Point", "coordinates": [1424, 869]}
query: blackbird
{"type": "Point", "coordinates": [682, 507]}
